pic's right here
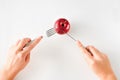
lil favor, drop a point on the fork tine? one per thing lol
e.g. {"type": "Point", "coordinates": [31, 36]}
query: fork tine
{"type": "Point", "coordinates": [50, 32]}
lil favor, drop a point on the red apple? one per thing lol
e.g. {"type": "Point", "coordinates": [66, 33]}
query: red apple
{"type": "Point", "coordinates": [62, 26]}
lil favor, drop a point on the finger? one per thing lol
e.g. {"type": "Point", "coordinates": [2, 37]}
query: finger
{"type": "Point", "coordinates": [14, 45]}
{"type": "Point", "coordinates": [89, 51]}
{"type": "Point", "coordinates": [17, 42]}
{"type": "Point", "coordinates": [94, 51]}
{"type": "Point", "coordinates": [84, 51]}
{"type": "Point", "coordinates": [32, 45]}
{"type": "Point", "coordinates": [22, 43]}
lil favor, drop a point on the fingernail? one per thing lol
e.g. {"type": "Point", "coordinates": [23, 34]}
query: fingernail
{"type": "Point", "coordinates": [41, 36]}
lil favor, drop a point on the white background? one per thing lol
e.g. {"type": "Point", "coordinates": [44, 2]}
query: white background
{"type": "Point", "coordinates": [94, 22]}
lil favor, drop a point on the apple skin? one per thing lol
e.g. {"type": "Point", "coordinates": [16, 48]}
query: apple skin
{"type": "Point", "coordinates": [62, 26]}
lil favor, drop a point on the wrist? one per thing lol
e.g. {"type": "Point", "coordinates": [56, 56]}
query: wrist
{"type": "Point", "coordinates": [108, 77]}
{"type": "Point", "coordinates": [6, 74]}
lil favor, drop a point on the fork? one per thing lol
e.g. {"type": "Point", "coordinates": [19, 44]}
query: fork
{"type": "Point", "coordinates": [51, 32]}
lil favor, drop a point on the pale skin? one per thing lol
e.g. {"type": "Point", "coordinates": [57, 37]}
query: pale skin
{"type": "Point", "coordinates": [19, 57]}
{"type": "Point", "coordinates": [98, 62]}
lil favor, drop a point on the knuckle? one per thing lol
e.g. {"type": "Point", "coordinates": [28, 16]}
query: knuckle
{"type": "Point", "coordinates": [93, 62]}
{"type": "Point", "coordinates": [31, 47]}
{"type": "Point", "coordinates": [24, 39]}
{"type": "Point", "coordinates": [87, 46]}
{"type": "Point", "coordinates": [16, 51]}
{"type": "Point", "coordinates": [105, 56]}
{"type": "Point", "coordinates": [20, 55]}
{"type": "Point", "coordinates": [90, 46]}
{"type": "Point", "coordinates": [27, 39]}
